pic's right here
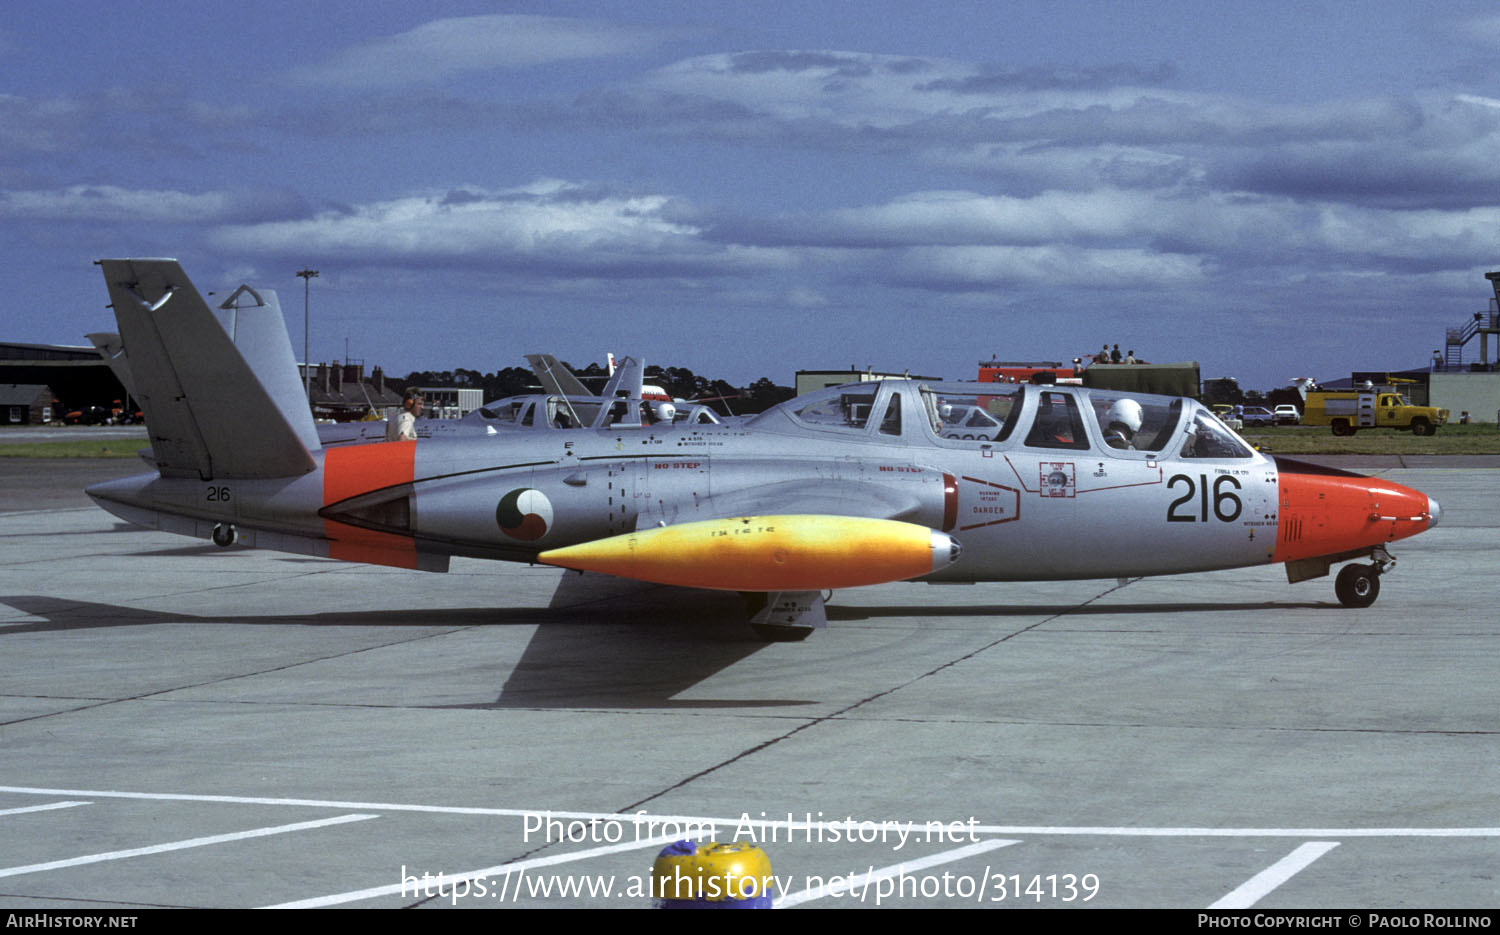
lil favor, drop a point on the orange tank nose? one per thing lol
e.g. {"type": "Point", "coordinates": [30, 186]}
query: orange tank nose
{"type": "Point", "coordinates": [1326, 511]}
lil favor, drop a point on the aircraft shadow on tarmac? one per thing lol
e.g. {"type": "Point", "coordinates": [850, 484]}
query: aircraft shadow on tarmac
{"type": "Point", "coordinates": [55, 533]}
{"type": "Point", "coordinates": [599, 644]}
{"type": "Point", "coordinates": [837, 613]}
{"type": "Point", "coordinates": [602, 642]}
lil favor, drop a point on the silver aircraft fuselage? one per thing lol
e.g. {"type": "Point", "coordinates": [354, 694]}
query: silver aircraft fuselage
{"type": "Point", "coordinates": [1028, 507]}
{"type": "Point", "coordinates": [852, 485]}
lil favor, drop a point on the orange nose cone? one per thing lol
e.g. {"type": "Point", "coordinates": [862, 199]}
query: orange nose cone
{"type": "Point", "coordinates": [1326, 511]}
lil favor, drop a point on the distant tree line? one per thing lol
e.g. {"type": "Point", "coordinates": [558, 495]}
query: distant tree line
{"type": "Point", "coordinates": [679, 382]}
{"type": "Point", "coordinates": [1221, 390]}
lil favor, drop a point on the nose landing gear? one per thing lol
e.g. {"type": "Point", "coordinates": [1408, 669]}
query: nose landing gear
{"type": "Point", "coordinates": [1359, 585]}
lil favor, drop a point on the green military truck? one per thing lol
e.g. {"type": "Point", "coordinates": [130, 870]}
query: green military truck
{"type": "Point", "coordinates": [1179, 379]}
{"type": "Point", "coordinates": [1349, 411]}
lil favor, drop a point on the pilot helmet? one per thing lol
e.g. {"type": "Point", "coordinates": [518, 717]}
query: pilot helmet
{"type": "Point", "coordinates": [1126, 412]}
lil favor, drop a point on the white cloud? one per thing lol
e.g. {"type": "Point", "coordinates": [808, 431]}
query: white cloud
{"type": "Point", "coordinates": [548, 226]}
{"type": "Point", "coordinates": [969, 268]}
{"type": "Point", "coordinates": [1116, 127]}
{"type": "Point", "coordinates": [1478, 101]}
{"type": "Point", "coordinates": [857, 90]}
{"type": "Point", "coordinates": [966, 217]}
{"type": "Point", "coordinates": [957, 239]}
{"type": "Point", "coordinates": [441, 49]}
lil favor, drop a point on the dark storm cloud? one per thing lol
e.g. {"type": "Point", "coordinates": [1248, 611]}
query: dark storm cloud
{"type": "Point", "coordinates": [1390, 177]}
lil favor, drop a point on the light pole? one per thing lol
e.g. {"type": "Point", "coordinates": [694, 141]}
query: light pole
{"type": "Point", "coordinates": [307, 277]}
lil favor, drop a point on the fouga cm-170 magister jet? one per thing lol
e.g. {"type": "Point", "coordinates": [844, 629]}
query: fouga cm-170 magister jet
{"type": "Point", "coordinates": [853, 485]}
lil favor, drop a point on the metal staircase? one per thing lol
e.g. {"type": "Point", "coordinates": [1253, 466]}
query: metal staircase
{"type": "Point", "coordinates": [1487, 322]}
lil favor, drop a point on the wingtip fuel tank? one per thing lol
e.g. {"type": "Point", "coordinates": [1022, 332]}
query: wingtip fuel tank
{"type": "Point", "coordinates": [767, 553]}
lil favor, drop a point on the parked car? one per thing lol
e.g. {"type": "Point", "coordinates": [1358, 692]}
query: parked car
{"type": "Point", "coordinates": [87, 415]}
{"type": "Point", "coordinates": [1257, 415]}
{"type": "Point", "coordinates": [1227, 415]}
{"type": "Point", "coordinates": [1287, 414]}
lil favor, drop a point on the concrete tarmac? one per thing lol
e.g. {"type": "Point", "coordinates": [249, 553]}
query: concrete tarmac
{"type": "Point", "coordinates": [183, 725]}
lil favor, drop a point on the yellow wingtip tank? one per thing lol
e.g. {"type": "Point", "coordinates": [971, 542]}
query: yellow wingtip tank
{"type": "Point", "coordinates": [767, 553]}
{"type": "Point", "coordinates": [722, 875]}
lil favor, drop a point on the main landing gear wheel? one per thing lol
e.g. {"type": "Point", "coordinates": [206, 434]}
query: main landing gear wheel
{"type": "Point", "coordinates": [224, 535]}
{"type": "Point", "coordinates": [1357, 585]}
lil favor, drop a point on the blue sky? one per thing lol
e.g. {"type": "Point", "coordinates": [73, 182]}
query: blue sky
{"type": "Point", "coordinates": [747, 189]}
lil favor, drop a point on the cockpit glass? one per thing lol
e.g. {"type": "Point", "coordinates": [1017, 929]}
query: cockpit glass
{"type": "Point", "coordinates": [561, 415]}
{"type": "Point", "coordinates": [1057, 424]}
{"type": "Point", "coordinates": [1135, 423]}
{"type": "Point", "coordinates": [891, 424]}
{"type": "Point", "coordinates": [695, 415]}
{"type": "Point", "coordinates": [1210, 438]}
{"type": "Point", "coordinates": [848, 409]}
{"type": "Point", "coordinates": [501, 410]}
{"type": "Point", "coordinates": [968, 416]}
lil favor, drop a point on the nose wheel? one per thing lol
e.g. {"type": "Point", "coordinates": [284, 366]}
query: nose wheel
{"type": "Point", "coordinates": [1359, 585]}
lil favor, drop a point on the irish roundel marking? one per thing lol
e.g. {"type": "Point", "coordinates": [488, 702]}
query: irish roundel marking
{"type": "Point", "coordinates": [524, 514]}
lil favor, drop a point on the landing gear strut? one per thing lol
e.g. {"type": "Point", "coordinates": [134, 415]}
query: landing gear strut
{"type": "Point", "coordinates": [785, 616]}
{"type": "Point", "coordinates": [1359, 585]}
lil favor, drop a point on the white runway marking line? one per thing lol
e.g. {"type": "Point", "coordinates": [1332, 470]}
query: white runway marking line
{"type": "Point", "coordinates": [874, 876]}
{"type": "Point", "coordinates": [40, 808]}
{"type": "Point", "coordinates": [499, 870]}
{"type": "Point", "coordinates": [1254, 889]}
{"type": "Point", "coordinates": [181, 845]}
{"type": "Point", "coordinates": [1020, 831]}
